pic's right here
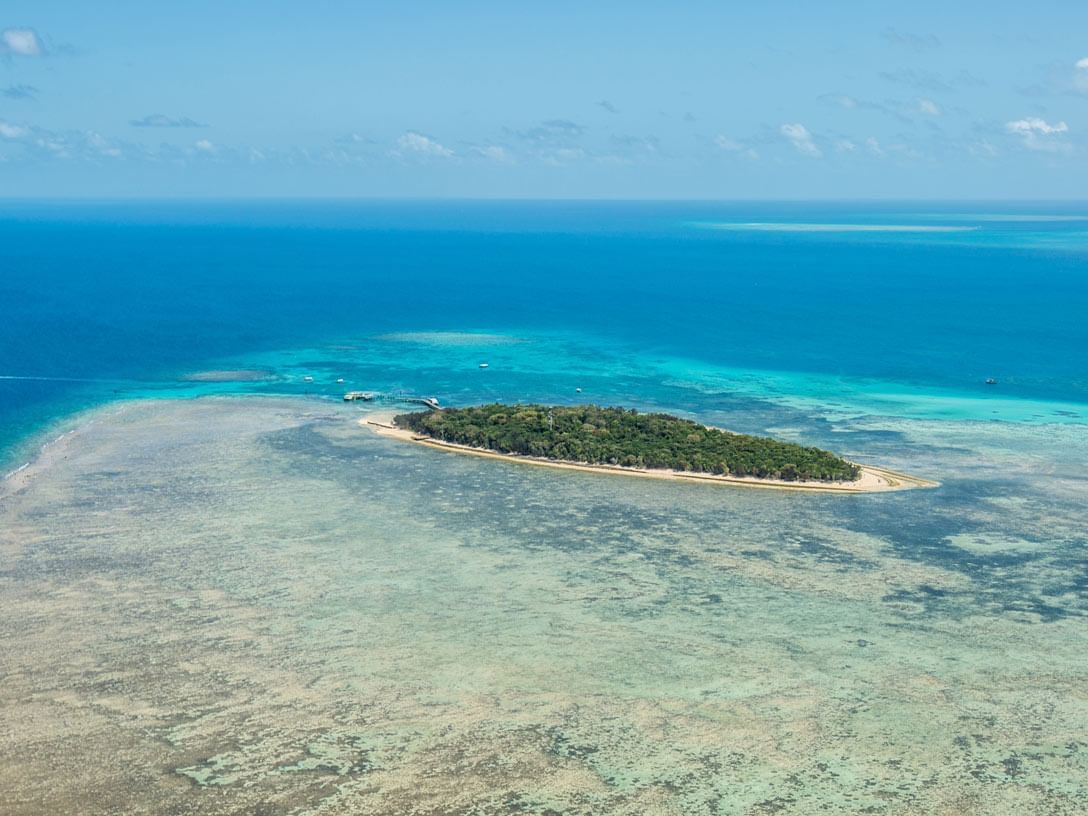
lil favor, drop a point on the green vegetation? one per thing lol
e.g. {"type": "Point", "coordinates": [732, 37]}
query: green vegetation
{"type": "Point", "coordinates": [618, 436]}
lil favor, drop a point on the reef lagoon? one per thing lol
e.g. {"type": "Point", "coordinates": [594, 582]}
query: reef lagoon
{"type": "Point", "coordinates": [252, 605]}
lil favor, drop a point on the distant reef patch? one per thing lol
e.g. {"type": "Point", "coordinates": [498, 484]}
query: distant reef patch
{"type": "Point", "coordinates": [449, 338]}
{"type": "Point", "coordinates": [229, 375]}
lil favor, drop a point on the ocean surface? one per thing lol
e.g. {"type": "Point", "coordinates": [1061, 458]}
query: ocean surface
{"type": "Point", "coordinates": [213, 575]}
{"type": "Point", "coordinates": [105, 300]}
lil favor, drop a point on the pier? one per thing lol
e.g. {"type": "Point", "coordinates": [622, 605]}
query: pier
{"type": "Point", "coordinates": [369, 396]}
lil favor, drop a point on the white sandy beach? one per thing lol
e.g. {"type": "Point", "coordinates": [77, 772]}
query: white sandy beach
{"type": "Point", "coordinates": [872, 479]}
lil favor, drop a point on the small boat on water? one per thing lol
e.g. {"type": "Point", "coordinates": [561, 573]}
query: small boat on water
{"type": "Point", "coordinates": [307, 378]}
{"type": "Point", "coordinates": [365, 396]}
{"type": "Point", "coordinates": [483, 365]}
{"type": "Point", "coordinates": [991, 381]}
{"type": "Point", "coordinates": [577, 390]}
{"type": "Point", "coordinates": [339, 380]}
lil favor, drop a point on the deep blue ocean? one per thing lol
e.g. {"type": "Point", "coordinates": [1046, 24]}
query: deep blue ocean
{"type": "Point", "coordinates": [901, 309]}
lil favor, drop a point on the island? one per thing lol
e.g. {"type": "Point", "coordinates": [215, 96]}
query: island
{"type": "Point", "coordinates": [590, 437]}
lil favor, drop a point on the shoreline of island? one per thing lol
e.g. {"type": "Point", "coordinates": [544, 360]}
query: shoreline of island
{"type": "Point", "coordinates": [872, 480]}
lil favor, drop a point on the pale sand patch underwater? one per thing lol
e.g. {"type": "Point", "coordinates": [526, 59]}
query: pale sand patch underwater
{"type": "Point", "coordinates": [241, 606]}
{"type": "Point", "coordinates": [450, 338]}
{"type": "Point", "coordinates": [784, 226]}
{"type": "Point", "coordinates": [229, 375]}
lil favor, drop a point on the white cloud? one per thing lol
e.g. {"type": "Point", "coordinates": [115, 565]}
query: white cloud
{"type": "Point", "coordinates": [496, 154]}
{"type": "Point", "coordinates": [1038, 134]}
{"type": "Point", "coordinates": [97, 142]}
{"type": "Point", "coordinates": [845, 146]}
{"type": "Point", "coordinates": [732, 146]}
{"type": "Point", "coordinates": [1035, 125]}
{"type": "Point", "coordinates": [1080, 79]}
{"type": "Point", "coordinates": [801, 139]}
{"type": "Point", "coordinates": [10, 131]}
{"type": "Point", "coordinates": [873, 146]}
{"type": "Point", "coordinates": [21, 41]}
{"type": "Point", "coordinates": [929, 106]}
{"type": "Point", "coordinates": [89, 145]}
{"type": "Point", "coordinates": [413, 143]}
{"type": "Point", "coordinates": [160, 120]}
{"type": "Point", "coordinates": [55, 145]}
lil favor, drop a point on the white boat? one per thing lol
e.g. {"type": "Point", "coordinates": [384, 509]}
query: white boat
{"type": "Point", "coordinates": [307, 378]}
{"type": "Point", "coordinates": [483, 365]}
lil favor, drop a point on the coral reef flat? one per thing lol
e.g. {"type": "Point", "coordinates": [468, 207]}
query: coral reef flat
{"type": "Point", "coordinates": [245, 605]}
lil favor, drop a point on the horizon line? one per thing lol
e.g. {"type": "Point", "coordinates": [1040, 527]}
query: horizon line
{"type": "Point", "coordinates": [528, 199]}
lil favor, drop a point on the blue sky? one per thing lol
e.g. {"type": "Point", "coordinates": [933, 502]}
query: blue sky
{"type": "Point", "coordinates": [560, 99]}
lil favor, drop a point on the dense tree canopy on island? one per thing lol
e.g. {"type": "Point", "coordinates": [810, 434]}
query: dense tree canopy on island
{"type": "Point", "coordinates": [627, 438]}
